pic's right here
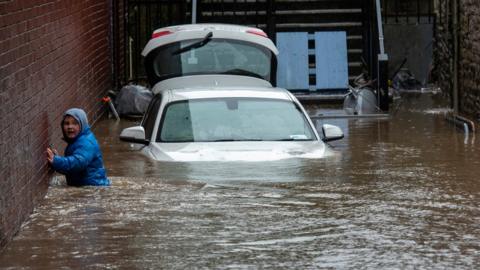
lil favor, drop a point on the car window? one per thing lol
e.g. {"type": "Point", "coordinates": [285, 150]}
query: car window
{"type": "Point", "coordinates": [148, 121]}
{"type": "Point", "coordinates": [176, 124]}
{"type": "Point", "coordinates": [219, 56]}
{"type": "Point", "coordinates": [233, 119]}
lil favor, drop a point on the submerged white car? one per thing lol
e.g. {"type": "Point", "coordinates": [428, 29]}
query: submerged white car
{"type": "Point", "coordinates": [228, 123]}
{"type": "Point", "coordinates": [214, 101]}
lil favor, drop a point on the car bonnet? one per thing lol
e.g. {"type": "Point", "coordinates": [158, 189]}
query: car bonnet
{"type": "Point", "coordinates": [238, 151]}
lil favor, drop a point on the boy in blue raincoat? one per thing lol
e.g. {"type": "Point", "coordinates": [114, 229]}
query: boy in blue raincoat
{"type": "Point", "coordinates": [82, 164]}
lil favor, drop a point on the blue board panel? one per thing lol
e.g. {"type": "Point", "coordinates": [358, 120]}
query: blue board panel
{"type": "Point", "coordinates": [331, 60]}
{"type": "Point", "coordinates": [292, 71]}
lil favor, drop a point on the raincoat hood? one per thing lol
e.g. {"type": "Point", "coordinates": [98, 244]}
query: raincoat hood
{"type": "Point", "coordinates": [81, 118]}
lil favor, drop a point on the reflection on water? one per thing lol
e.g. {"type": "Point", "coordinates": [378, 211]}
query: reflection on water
{"type": "Point", "coordinates": [402, 193]}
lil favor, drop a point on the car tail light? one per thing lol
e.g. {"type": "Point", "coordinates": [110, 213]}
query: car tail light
{"type": "Point", "coordinates": [257, 32]}
{"type": "Point", "coordinates": [161, 33]}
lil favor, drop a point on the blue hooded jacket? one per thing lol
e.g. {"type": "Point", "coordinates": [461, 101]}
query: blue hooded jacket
{"type": "Point", "coordinates": [83, 163]}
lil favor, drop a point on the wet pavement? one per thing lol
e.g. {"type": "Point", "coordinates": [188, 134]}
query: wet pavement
{"type": "Point", "coordinates": [402, 193]}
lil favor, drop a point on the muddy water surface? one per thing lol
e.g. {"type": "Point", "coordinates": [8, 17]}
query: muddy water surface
{"type": "Point", "coordinates": [402, 193]}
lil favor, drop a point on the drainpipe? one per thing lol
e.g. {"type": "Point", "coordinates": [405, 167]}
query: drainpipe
{"type": "Point", "coordinates": [113, 13]}
{"type": "Point", "coordinates": [380, 27]}
{"type": "Point", "coordinates": [194, 11]}
{"type": "Point", "coordinates": [382, 62]}
{"type": "Point", "coordinates": [455, 57]}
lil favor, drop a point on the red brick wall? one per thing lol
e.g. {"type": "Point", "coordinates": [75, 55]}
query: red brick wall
{"type": "Point", "coordinates": [54, 55]}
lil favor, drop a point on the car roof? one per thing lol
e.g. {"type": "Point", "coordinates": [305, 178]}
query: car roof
{"type": "Point", "coordinates": [228, 92]}
{"type": "Point", "coordinates": [177, 33]}
{"type": "Point", "coordinates": [210, 80]}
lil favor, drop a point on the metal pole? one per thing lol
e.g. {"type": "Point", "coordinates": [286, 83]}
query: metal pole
{"type": "Point", "coordinates": [194, 11]}
{"type": "Point", "coordinates": [130, 59]}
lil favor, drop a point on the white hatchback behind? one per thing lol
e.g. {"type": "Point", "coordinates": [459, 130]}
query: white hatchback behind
{"type": "Point", "coordinates": [214, 100]}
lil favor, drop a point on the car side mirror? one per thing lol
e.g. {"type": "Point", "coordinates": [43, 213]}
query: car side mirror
{"type": "Point", "coordinates": [331, 133]}
{"type": "Point", "coordinates": [134, 135]}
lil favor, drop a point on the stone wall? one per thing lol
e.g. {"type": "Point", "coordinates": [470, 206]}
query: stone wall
{"type": "Point", "coordinates": [468, 55]}
{"type": "Point", "coordinates": [469, 61]}
{"type": "Point", "coordinates": [54, 55]}
{"type": "Point", "coordinates": [443, 48]}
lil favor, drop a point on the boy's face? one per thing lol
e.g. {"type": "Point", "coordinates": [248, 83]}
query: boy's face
{"type": "Point", "coordinates": [71, 127]}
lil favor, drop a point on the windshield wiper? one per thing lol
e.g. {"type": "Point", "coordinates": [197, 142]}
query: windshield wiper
{"type": "Point", "coordinates": [195, 45]}
{"type": "Point", "coordinates": [292, 139]}
{"type": "Point", "coordinates": [238, 140]}
{"type": "Point", "coordinates": [239, 71]}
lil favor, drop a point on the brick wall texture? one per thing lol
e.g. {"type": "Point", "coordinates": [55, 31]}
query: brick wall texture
{"type": "Point", "coordinates": [54, 55]}
{"type": "Point", "coordinates": [469, 53]}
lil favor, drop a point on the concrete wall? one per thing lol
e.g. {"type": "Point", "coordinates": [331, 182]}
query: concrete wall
{"type": "Point", "coordinates": [468, 53]}
{"type": "Point", "coordinates": [54, 54]}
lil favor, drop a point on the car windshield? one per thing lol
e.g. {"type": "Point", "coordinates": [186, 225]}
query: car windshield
{"type": "Point", "coordinates": [233, 119]}
{"type": "Point", "coordinates": [212, 56]}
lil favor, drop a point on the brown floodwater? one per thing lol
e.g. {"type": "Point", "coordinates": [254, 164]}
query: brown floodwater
{"type": "Point", "coordinates": [402, 193]}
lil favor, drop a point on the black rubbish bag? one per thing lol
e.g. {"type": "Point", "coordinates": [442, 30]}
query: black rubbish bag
{"type": "Point", "coordinates": [133, 100]}
{"type": "Point", "coordinates": [405, 80]}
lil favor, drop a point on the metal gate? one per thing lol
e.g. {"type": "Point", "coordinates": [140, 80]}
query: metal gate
{"type": "Point", "coordinates": [142, 18]}
{"type": "Point", "coordinates": [408, 11]}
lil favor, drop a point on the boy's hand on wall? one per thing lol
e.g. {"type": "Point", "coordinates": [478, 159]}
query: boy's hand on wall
{"type": "Point", "coordinates": [50, 154]}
